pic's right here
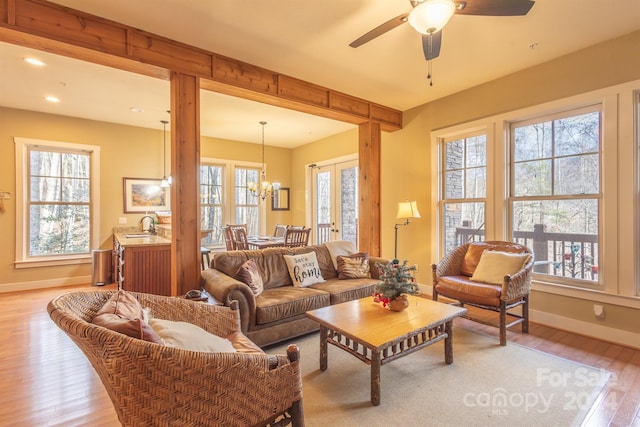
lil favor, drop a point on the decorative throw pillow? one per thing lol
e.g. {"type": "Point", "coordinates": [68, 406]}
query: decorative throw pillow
{"type": "Point", "coordinates": [188, 336]}
{"type": "Point", "coordinates": [304, 269]}
{"type": "Point", "coordinates": [354, 266]}
{"type": "Point", "coordinates": [494, 265]}
{"type": "Point", "coordinates": [249, 274]}
{"type": "Point", "coordinates": [339, 247]}
{"type": "Point", "coordinates": [123, 313]}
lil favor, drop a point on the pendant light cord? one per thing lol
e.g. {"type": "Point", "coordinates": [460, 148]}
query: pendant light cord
{"type": "Point", "coordinates": [263, 169]}
{"type": "Point", "coordinates": [164, 148]}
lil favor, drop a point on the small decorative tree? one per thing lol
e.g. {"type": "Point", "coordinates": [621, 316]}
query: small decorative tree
{"type": "Point", "coordinates": [396, 280]}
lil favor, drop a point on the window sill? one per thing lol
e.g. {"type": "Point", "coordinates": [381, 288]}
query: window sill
{"type": "Point", "coordinates": [53, 262]}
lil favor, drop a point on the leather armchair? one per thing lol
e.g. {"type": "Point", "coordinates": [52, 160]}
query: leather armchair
{"type": "Point", "coordinates": [452, 279]}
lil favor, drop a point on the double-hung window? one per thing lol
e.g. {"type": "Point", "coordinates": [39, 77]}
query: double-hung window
{"type": "Point", "coordinates": [57, 201]}
{"type": "Point", "coordinates": [225, 198]}
{"type": "Point", "coordinates": [212, 201]}
{"type": "Point", "coordinates": [464, 182]}
{"type": "Point", "coordinates": [246, 204]}
{"type": "Point", "coordinates": [555, 192]}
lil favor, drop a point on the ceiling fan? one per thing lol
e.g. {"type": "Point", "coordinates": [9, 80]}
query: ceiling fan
{"type": "Point", "coordinates": [429, 16]}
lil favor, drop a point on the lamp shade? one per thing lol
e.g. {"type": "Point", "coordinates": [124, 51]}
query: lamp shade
{"type": "Point", "coordinates": [408, 210]}
{"type": "Point", "coordinates": [431, 15]}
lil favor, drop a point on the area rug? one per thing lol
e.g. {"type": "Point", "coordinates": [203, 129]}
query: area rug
{"type": "Point", "coordinates": [487, 385]}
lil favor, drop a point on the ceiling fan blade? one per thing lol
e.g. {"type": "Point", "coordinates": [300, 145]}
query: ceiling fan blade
{"type": "Point", "coordinates": [380, 30]}
{"type": "Point", "coordinates": [494, 7]}
{"type": "Point", "coordinates": [431, 48]}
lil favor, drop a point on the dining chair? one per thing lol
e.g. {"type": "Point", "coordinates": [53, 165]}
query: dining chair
{"type": "Point", "coordinates": [235, 227]}
{"type": "Point", "coordinates": [280, 230]}
{"type": "Point", "coordinates": [296, 237]}
{"type": "Point", "coordinates": [240, 239]}
{"type": "Point", "coordinates": [227, 233]}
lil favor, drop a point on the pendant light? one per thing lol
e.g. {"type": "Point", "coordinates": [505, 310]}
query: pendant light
{"type": "Point", "coordinates": [265, 188]}
{"type": "Point", "coordinates": [166, 182]}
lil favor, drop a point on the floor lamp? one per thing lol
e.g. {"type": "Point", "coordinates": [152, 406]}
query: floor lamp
{"type": "Point", "coordinates": [407, 211]}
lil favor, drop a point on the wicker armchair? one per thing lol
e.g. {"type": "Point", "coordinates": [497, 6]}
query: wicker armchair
{"type": "Point", "coordinates": [451, 279]}
{"type": "Point", "coordinates": [152, 384]}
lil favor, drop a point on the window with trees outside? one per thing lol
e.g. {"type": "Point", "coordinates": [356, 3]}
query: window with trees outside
{"type": "Point", "coordinates": [464, 177]}
{"type": "Point", "coordinates": [555, 193]}
{"type": "Point", "coordinates": [212, 202]}
{"type": "Point", "coordinates": [221, 203]}
{"type": "Point", "coordinates": [246, 204]}
{"type": "Point", "coordinates": [57, 192]}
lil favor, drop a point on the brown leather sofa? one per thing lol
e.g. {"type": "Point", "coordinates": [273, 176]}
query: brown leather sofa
{"type": "Point", "coordinates": [278, 313]}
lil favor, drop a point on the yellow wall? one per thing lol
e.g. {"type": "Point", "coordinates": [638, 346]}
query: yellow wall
{"type": "Point", "coordinates": [126, 151]}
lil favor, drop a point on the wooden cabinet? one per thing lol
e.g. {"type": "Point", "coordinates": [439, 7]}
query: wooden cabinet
{"type": "Point", "coordinates": [143, 268]}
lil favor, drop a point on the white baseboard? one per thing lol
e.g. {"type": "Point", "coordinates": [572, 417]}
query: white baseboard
{"type": "Point", "coordinates": [604, 333]}
{"type": "Point", "coordinates": [44, 284]}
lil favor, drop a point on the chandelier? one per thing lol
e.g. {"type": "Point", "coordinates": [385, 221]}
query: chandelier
{"type": "Point", "coordinates": [265, 188]}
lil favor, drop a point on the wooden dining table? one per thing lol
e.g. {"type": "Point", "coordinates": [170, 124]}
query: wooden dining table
{"type": "Point", "coordinates": [262, 242]}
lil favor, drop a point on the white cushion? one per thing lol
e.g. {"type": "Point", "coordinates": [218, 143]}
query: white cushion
{"type": "Point", "coordinates": [340, 248]}
{"type": "Point", "coordinates": [188, 336]}
{"type": "Point", "coordinates": [494, 265]}
{"type": "Point", "coordinates": [304, 269]}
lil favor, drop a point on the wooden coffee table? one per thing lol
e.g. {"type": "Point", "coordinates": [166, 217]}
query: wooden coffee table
{"type": "Point", "coordinates": [378, 336]}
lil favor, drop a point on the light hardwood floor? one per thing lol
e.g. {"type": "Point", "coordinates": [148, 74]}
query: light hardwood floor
{"type": "Point", "coordinates": [46, 381]}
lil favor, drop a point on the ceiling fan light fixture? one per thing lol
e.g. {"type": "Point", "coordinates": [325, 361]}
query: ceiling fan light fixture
{"type": "Point", "coordinates": [431, 16]}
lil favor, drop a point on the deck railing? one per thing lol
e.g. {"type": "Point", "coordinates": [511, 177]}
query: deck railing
{"type": "Point", "coordinates": [560, 254]}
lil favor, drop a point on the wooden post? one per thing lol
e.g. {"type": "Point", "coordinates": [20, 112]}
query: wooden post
{"type": "Point", "coordinates": [185, 170]}
{"type": "Point", "coordinates": [369, 217]}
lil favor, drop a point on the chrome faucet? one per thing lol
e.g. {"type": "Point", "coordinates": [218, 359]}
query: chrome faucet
{"type": "Point", "coordinates": [149, 225]}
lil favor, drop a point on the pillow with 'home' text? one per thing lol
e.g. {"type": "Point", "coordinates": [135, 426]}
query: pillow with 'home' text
{"type": "Point", "coordinates": [304, 269]}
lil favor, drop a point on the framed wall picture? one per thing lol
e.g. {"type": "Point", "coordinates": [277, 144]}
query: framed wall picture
{"type": "Point", "coordinates": [280, 199]}
{"type": "Point", "coordinates": [145, 195]}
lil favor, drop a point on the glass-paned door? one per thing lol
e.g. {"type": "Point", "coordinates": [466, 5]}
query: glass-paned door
{"type": "Point", "coordinates": [335, 202]}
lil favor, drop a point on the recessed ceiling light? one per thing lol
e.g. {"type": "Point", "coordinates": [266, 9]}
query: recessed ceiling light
{"type": "Point", "coordinates": [137, 110]}
{"type": "Point", "coordinates": [34, 61]}
{"type": "Point", "coordinates": [51, 99]}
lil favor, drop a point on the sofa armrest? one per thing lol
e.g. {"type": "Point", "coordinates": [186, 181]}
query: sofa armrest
{"type": "Point", "coordinates": [227, 289]}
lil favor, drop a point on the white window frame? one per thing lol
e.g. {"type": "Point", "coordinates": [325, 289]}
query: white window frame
{"type": "Point", "coordinates": [22, 146]}
{"type": "Point", "coordinates": [620, 203]}
{"type": "Point", "coordinates": [442, 200]}
{"type": "Point", "coordinates": [228, 185]}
